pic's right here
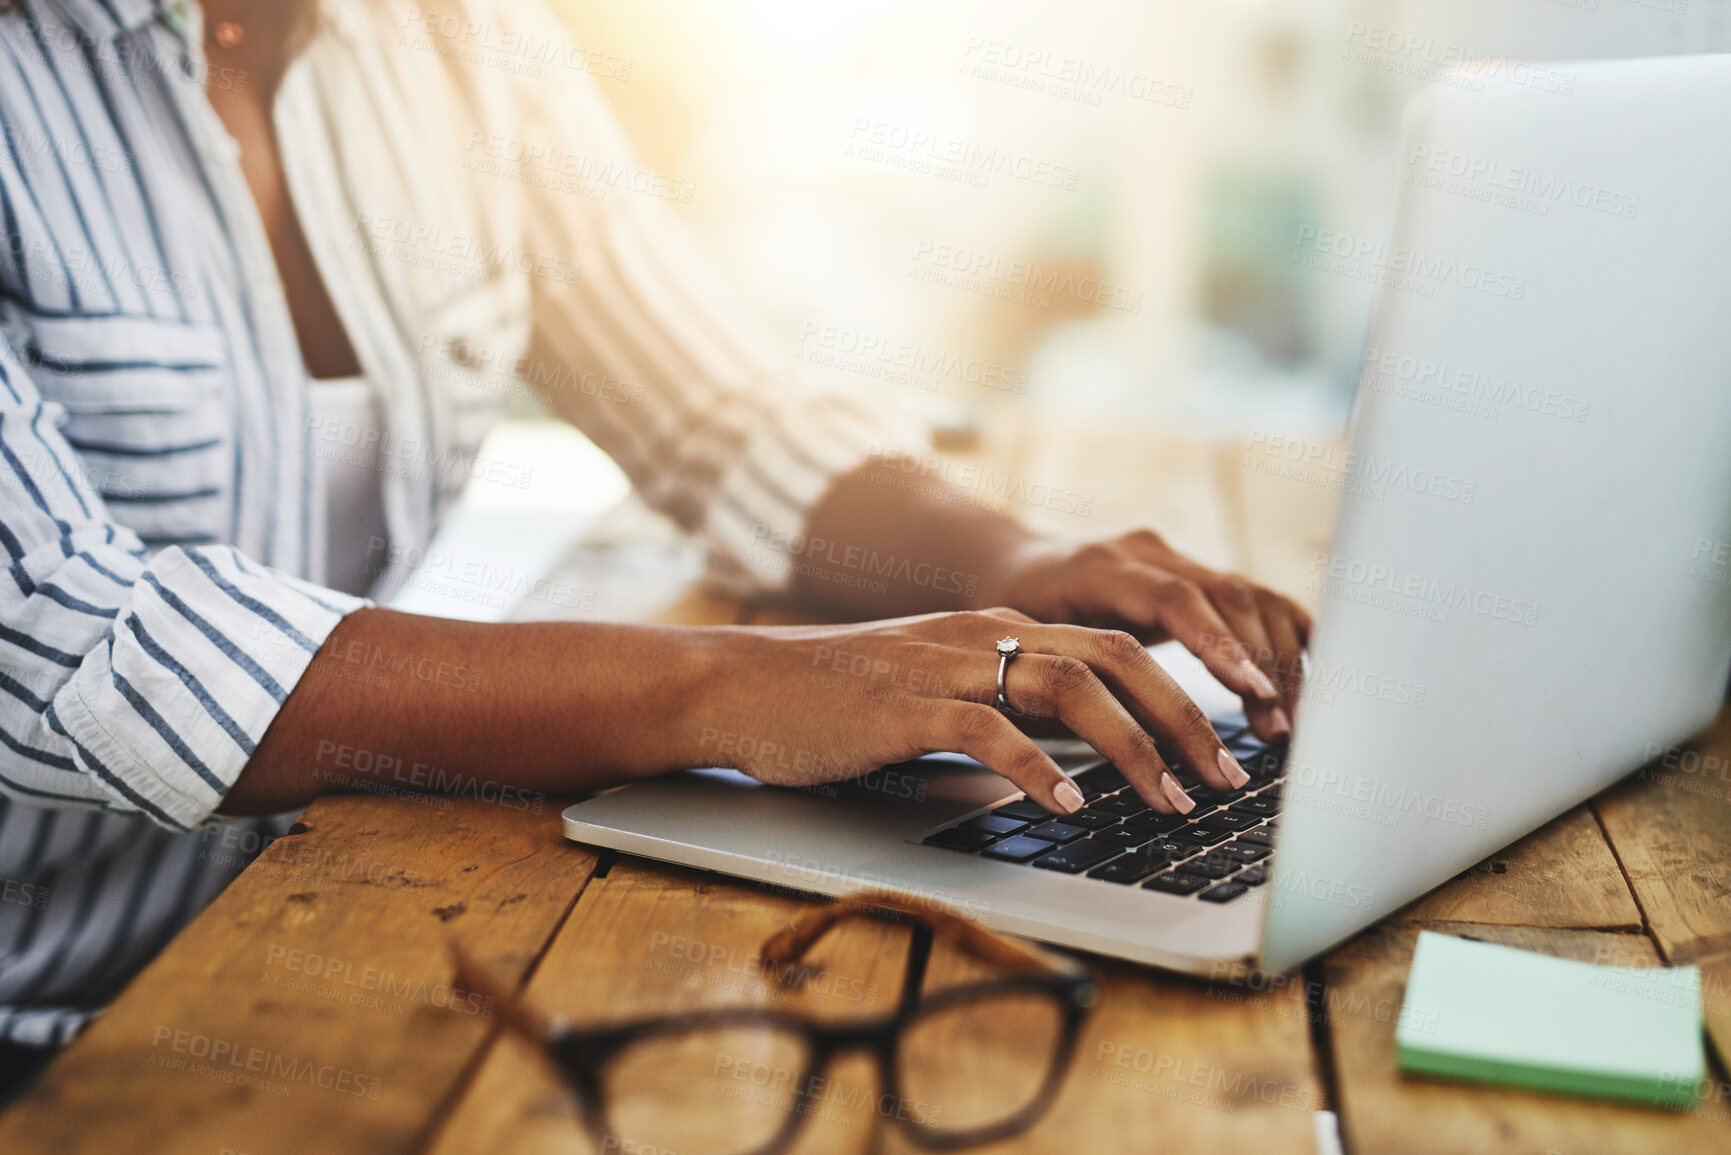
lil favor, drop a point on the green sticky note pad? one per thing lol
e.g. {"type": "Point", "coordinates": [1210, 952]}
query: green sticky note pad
{"type": "Point", "coordinates": [1499, 1015]}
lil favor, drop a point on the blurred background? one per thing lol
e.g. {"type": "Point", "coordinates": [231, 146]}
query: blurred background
{"type": "Point", "coordinates": [1081, 210]}
{"type": "Point", "coordinates": [872, 173]}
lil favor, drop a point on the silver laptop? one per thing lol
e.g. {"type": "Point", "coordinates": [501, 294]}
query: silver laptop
{"type": "Point", "coordinates": [1528, 594]}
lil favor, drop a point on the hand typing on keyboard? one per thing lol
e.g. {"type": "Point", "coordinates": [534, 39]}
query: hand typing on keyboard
{"type": "Point", "coordinates": [807, 704]}
{"type": "Point", "coordinates": [1215, 851]}
{"type": "Point", "coordinates": [1249, 637]}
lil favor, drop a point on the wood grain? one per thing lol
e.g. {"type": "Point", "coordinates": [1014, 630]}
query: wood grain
{"type": "Point", "coordinates": [322, 974]}
{"type": "Point", "coordinates": [1670, 825]}
{"type": "Point", "coordinates": [650, 941]}
{"type": "Point", "coordinates": [1167, 1064]}
{"type": "Point", "coordinates": [1177, 1066]}
{"type": "Point", "coordinates": [1561, 875]}
{"type": "Point", "coordinates": [1386, 1112]}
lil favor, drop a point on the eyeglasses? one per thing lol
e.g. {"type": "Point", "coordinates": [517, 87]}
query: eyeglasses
{"type": "Point", "coordinates": [967, 1065]}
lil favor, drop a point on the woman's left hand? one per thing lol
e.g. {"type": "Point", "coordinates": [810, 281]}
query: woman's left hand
{"type": "Point", "coordinates": [1249, 637]}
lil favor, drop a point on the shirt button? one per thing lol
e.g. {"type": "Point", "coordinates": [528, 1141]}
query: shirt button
{"type": "Point", "coordinates": [178, 14]}
{"type": "Point", "coordinates": [463, 354]}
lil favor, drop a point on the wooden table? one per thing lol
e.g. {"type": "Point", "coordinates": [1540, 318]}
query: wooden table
{"type": "Point", "coordinates": [328, 957]}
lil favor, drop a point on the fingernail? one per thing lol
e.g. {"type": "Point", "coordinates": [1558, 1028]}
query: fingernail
{"type": "Point", "coordinates": [1259, 681]}
{"type": "Point", "coordinates": [1229, 766]}
{"type": "Point", "coordinates": [1068, 798]}
{"type": "Point", "coordinates": [1279, 724]}
{"type": "Point", "coordinates": [1175, 794]}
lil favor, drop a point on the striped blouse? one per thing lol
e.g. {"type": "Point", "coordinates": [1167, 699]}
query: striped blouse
{"type": "Point", "coordinates": [481, 229]}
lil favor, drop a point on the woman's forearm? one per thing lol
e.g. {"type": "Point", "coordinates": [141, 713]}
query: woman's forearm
{"type": "Point", "coordinates": [397, 701]}
{"type": "Point", "coordinates": [888, 539]}
{"type": "Point", "coordinates": [894, 538]}
{"type": "Point", "coordinates": [405, 701]}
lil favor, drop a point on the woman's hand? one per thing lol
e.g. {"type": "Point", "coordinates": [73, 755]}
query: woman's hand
{"type": "Point", "coordinates": [1249, 637]}
{"type": "Point", "coordinates": [806, 704]}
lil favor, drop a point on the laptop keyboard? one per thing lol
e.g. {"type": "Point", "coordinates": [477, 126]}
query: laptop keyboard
{"type": "Point", "coordinates": [1216, 853]}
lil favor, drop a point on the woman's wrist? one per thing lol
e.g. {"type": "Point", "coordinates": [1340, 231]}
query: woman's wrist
{"type": "Point", "coordinates": [681, 678]}
{"type": "Point", "coordinates": [1013, 575]}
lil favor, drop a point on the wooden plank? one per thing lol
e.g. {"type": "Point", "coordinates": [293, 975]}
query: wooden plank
{"type": "Point", "coordinates": [1385, 1112]}
{"type": "Point", "coordinates": [650, 941]}
{"type": "Point", "coordinates": [1288, 512]}
{"type": "Point", "coordinates": [1561, 875]}
{"type": "Point", "coordinates": [1173, 1065]}
{"type": "Point", "coordinates": [1670, 825]}
{"type": "Point", "coordinates": [308, 1008]}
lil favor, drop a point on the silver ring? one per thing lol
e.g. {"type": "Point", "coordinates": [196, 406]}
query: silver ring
{"type": "Point", "coordinates": [1008, 648]}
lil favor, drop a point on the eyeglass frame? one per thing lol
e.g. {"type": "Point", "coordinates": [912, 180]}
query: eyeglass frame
{"type": "Point", "coordinates": [583, 1055]}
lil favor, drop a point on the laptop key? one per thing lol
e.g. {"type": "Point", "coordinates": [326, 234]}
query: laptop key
{"type": "Point", "coordinates": [1253, 876]}
{"type": "Point", "coordinates": [1243, 851]}
{"type": "Point", "coordinates": [1264, 765]}
{"type": "Point", "coordinates": [964, 838]}
{"type": "Point", "coordinates": [1056, 831]}
{"type": "Point", "coordinates": [1123, 805]}
{"type": "Point", "coordinates": [1211, 866]}
{"type": "Point", "coordinates": [1246, 746]}
{"type": "Point", "coordinates": [1176, 882]}
{"type": "Point", "coordinates": [997, 824]}
{"type": "Point", "coordinates": [1260, 806]}
{"type": "Point", "coordinates": [1017, 848]}
{"type": "Point", "coordinates": [1261, 836]}
{"type": "Point", "coordinates": [1025, 809]}
{"type": "Point", "coordinates": [1132, 867]}
{"type": "Point", "coordinates": [1170, 849]}
{"type": "Point", "coordinates": [1156, 822]}
{"type": "Point", "coordinates": [1201, 835]}
{"type": "Point", "coordinates": [1225, 892]}
{"type": "Point", "coordinates": [1079, 856]}
{"type": "Point", "coordinates": [1104, 779]}
{"type": "Point", "coordinates": [1089, 819]}
{"type": "Point", "coordinates": [1230, 820]}
{"type": "Point", "coordinates": [1128, 837]}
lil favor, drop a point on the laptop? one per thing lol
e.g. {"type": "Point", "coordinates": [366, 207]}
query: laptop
{"type": "Point", "coordinates": [1527, 595]}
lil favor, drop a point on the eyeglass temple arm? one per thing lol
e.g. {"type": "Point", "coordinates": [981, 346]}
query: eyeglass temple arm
{"type": "Point", "coordinates": [512, 1008]}
{"type": "Point", "coordinates": [804, 931]}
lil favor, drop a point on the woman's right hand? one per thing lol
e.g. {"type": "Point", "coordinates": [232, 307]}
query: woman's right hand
{"type": "Point", "coordinates": [799, 705]}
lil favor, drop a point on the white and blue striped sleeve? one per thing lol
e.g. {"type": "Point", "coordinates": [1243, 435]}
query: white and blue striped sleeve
{"type": "Point", "coordinates": [667, 373]}
{"type": "Point", "coordinates": [129, 682]}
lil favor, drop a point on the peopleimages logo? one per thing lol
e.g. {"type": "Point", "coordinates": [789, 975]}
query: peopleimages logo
{"type": "Point", "coordinates": [1289, 884]}
{"type": "Point", "coordinates": [1425, 57]}
{"type": "Point", "coordinates": [1323, 682]}
{"type": "Point", "coordinates": [1463, 388]}
{"type": "Point", "coordinates": [932, 153]}
{"type": "Point", "coordinates": [1375, 474]}
{"type": "Point", "coordinates": [1391, 588]}
{"type": "Point", "coordinates": [1382, 802]}
{"type": "Point", "coordinates": [977, 268]}
{"type": "Point", "coordinates": [1539, 187]}
{"type": "Point", "coordinates": [900, 362]}
{"type": "Point", "coordinates": [1067, 77]}
{"type": "Point", "coordinates": [1402, 268]}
